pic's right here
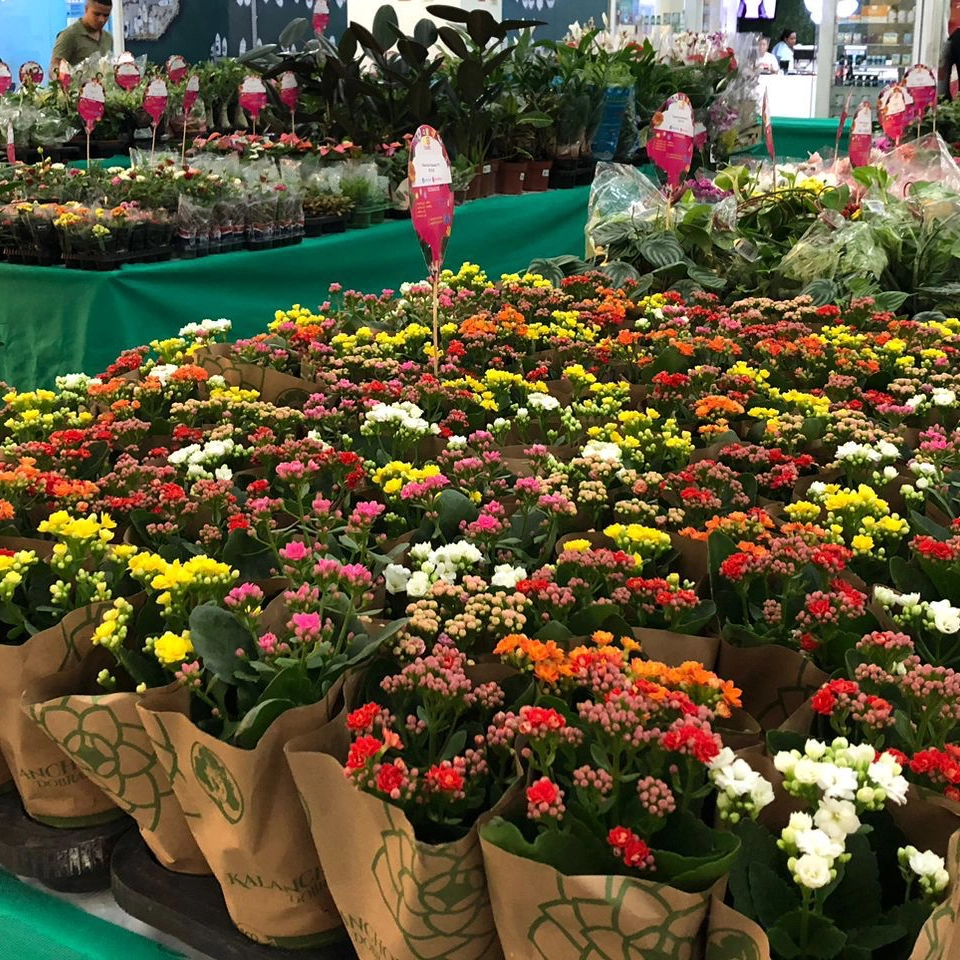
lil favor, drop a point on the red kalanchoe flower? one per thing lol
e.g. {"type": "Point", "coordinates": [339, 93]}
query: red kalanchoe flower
{"type": "Point", "coordinates": [363, 717]}
{"type": "Point", "coordinates": [361, 750]}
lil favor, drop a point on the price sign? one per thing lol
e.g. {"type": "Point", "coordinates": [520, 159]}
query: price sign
{"type": "Point", "coordinates": [670, 146]}
{"type": "Point", "coordinates": [921, 82]}
{"type": "Point", "coordinates": [253, 96]}
{"type": "Point", "coordinates": [177, 68]}
{"type": "Point", "coordinates": [321, 17]}
{"type": "Point", "coordinates": [127, 73]}
{"type": "Point", "coordinates": [91, 104]}
{"type": "Point", "coordinates": [861, 135]}
{"type": "Point", "coordinates": [155, 99]}
{"type": "Point", "coordinates": [191, 94]}
{"type": "Point", "coordinates": [31, 72]}
{"type": "Point", "coordinates": [6, 78]}
{"type": "Point", "coordinates": [65, 75]}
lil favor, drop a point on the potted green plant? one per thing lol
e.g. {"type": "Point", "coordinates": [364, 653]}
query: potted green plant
{"type": "Point", "coordinates": [325, 212]}
{"type": "Point", "coordinates": [514, 139]}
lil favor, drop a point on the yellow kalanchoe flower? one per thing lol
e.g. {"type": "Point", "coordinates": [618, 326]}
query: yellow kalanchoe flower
{"type": "Point", "coordinates": [172, 648]}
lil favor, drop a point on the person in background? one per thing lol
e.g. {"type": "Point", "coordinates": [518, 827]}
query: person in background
{"type": "Point", "coordinates": [951, 59]}
{"type": "Point", "coordinates": [766, 61]}
{"type": "Point", "coordinates": [783, 51]}
{"type": "Point", "coordinates": [83, 38]}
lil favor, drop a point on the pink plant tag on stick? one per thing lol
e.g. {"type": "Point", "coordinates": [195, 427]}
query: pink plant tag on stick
{"type": "Point", "coordinates": [431, 194]}
{"type": "Point", "coordinates": [921, 82]}
{"type": "Point", "coordinates": [91, 104]}
{"type": "Point", "coordinates": [6, 78]}
{"type": "Point", "coordinates": [321, 17]}
{"type": "Point", "coordinates": [155, 99]}
{"type": "Point", "coordinates": [954, 82]}
{"type": "Point", "coordinates": [31, 72]}
{"type": "Point", "coordinates": [892, 109]}
{"type": "Point", "coordinates": [127, 73]}
{"type": "Point", "coordinates": [670, 145]}
{"type": "Point", "coordinates": [861, 135]}
{"type": "Point", "coordinates": [191, 94]}
{"type": "Point", "coordinates": [177, 68]}
{"type": "Point", "coordinates": [289, 90]}
{"type": "Point", "coordinates": [253, 96]}
{"type": "Point", "coordinates": [65, 75]}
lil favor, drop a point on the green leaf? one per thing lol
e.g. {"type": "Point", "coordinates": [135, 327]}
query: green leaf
{"type": "Point", "coordinates": [620, 272]}
{"type": "Point", "coordinates": [924, 524]}
{"type": "Point", "coordinates": [575, 852]}
{"type": "Point", "coordinates": [891, 300]}
{"type": "Point", "coordinates": [254, 560]}
{"type": "Point", "coordinates": [857, 896]}
{"type": "Point", "coordinates": [258, 720]}
{"type": "Point", "coordinates": [593, 617]}
{"type": "Point", "coordinates": [822, 291]}
{"type": "Point", "coordinates": [217, 635]}
{"type": "Point", "coordinates": [457, 742]}
{"type": "Point", "coordinates": [757, 845]}
{"type": "Point", "coordinates": [661, 250]}
{"type": "Point", "coordinates": [772, 895]}
{"type": "Point", "coordinates": [554, 630]}
{"type": "Point", "coordinates": [453, 508]}
{"type": "Point", "coordinates": [707, 279]}
{"type": "Point", "coordinates": [454, 42]}
{"type": "Point", "coordinates": [908, 579]}
{"type": "Point", "coordinates": [386, 26]}
{"type": "Point", "coordinates": [291, 684]}
{"type": "Point", "coordinates": [823, 940]}
{"type": "Point", "coordinates": [694, 856]}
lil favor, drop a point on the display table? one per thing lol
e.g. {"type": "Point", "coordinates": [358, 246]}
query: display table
{"type": "Point", "coordinates": [55, 321]}
{"type": "Point", "coordinates": [37, 925]}
{"type": "Point", "coordinates": [796, 139]}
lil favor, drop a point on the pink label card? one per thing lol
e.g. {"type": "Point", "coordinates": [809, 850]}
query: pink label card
{"type": "Point", "coordinates": [861, 135]}
{"type": "Point", "coordinates": [253, 96]}
{"type": "Point", "coordinates": [954, 82]}
{"type": "Point", "coordinates": [177, 68]}
{"type": "Point", "coordinates": [289, 90]}
{"type": "Point", "coordinates": [31, 72]}
{"type": "Point", "coordinates": [127, 73]}
{"type": "Point", "coordinates": [65, 75]}
{"type": "Point", "coordinates": [670, 145]}
{"type": "Point", "coordinates": [91, 104]}
{"type": "Point", "coordinates": [699, 136]}
{"type": "Point", "coordinates": [6, 78]}
{"type": "Point", "coordinates": [155, 99]}
{"type": "Point", "coordinates": [893, 110]}
{"type": "Point", "coordinates": [431, 194]}
{"type": "Point", "coordinates": [921, 82]}
{"type": "Point", "coordinates": [321, 17]}
{"type": "Point", "coordinates": [191, 94]}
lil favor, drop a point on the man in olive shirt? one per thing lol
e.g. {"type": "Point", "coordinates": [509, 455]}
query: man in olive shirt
{"type": "Point", "coordinates": [85, 37]}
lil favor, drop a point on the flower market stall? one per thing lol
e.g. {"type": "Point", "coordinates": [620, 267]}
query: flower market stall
{"type": "Point", "coordinates": [543, 608]}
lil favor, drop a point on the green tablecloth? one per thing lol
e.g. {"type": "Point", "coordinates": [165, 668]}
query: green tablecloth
{"type": "Point", "coordinates": [55, 321]}
{"type": "Point", "coordinates": [120, 160]}
{"type": "Point", "coordinates": [37, 926]}
{"type": "Point", "coordinates": [797, 139]}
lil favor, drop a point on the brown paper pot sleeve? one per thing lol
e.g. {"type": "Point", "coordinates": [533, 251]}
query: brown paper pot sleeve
{"type": "Point", "coordinates": [52, 787]}
{"type": "Point", "coordinates": [543, 915]}
{"type": "Point", "coordinates": [676, 648]}
{"type": "Point", "coordinates": [399, 897]}
{"type": "Point", "coordinates": [775, 680]}
{"type": "Point", "coordinates": [104, 736]}
{"type": "Point", "coordinates": [248, 822]}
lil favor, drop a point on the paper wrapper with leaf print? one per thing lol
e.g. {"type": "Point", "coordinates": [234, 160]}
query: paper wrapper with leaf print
{"type": "Point", "coordinates": [281, 389]}
{"type": "Point", "coordinates": [52, 787]}
{"type": "Point", "coordinates": [104, 736]}
{"type": "Point", "coordinates": [775, 680]}
{"type": "Point", "coordinates": [248, 821]}
{"type": "Point", "coordinates": [542, 914]}
{"type": "Point", "coordinates": [399, 898]}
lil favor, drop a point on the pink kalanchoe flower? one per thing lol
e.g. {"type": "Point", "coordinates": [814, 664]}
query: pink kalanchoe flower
{"type": "Point", "coordinates": [306, 626]}
{"type": "Point", "coordinates": [294, 551]}
{"type": "Point", "coordinates": [268, 643]}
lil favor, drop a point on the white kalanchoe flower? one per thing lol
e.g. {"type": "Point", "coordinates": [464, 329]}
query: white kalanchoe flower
{"type": "Point", "coordinates": [602, 450]}
{"type": "Point", "coordinates": [943, 398]}
{"type": "Point", "coordinates": [418, 584]}
{"type": "Point", "coordinates": [946, 617]}
{"type": "Point", "coordinates": [926, 866]}
{"type": "Point", "coordinates": [543, 401]}
{"type": "Point", "coordinates": [811, 871]}
{"type": "Point", "coordinates": [505, 575]}
{"type": "Point", "coordinates": [396, 577]}
{"type": "Point", "coordinates": [819, 843]}
{"type": "Point", "coordinates": [163, 371]}
{"type": "Point", "coordinates": [837, 818]}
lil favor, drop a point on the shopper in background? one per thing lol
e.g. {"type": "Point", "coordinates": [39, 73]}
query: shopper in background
{"type": "Point", "coordinates": [766, 61]}
{"type": "Point", "coordinates": [83, 38]}
{"type": "Point", "coordinates": [951, 59]}
{"type": "Point", "coordinates": [783, 51]}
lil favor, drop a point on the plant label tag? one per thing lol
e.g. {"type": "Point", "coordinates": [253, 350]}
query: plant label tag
{"type": "Point", "coordinates": [431, 194]}
{"type": "Point", "coordinates": [861, 135]}
{"type": "Point", "coordinates": [155, 100]}
{"type": "Point", "coordinates": [321, 17]}
{"type": "Point", "coordinates": [91, 104]}
{"type": "Point", "coordinates": [670, 146]}
{"type": "Point", "coordinates": [177, 68]}
{"type": "Point", "coordinates": [253, 96]}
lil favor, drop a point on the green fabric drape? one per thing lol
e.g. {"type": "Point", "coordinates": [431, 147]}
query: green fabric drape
{"type": "Point", "coordinates": [55, 321]}
{"type": "Point", "coordinates": [796, 139]}
{"type": "Point", "coordinates": [37, 926]}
